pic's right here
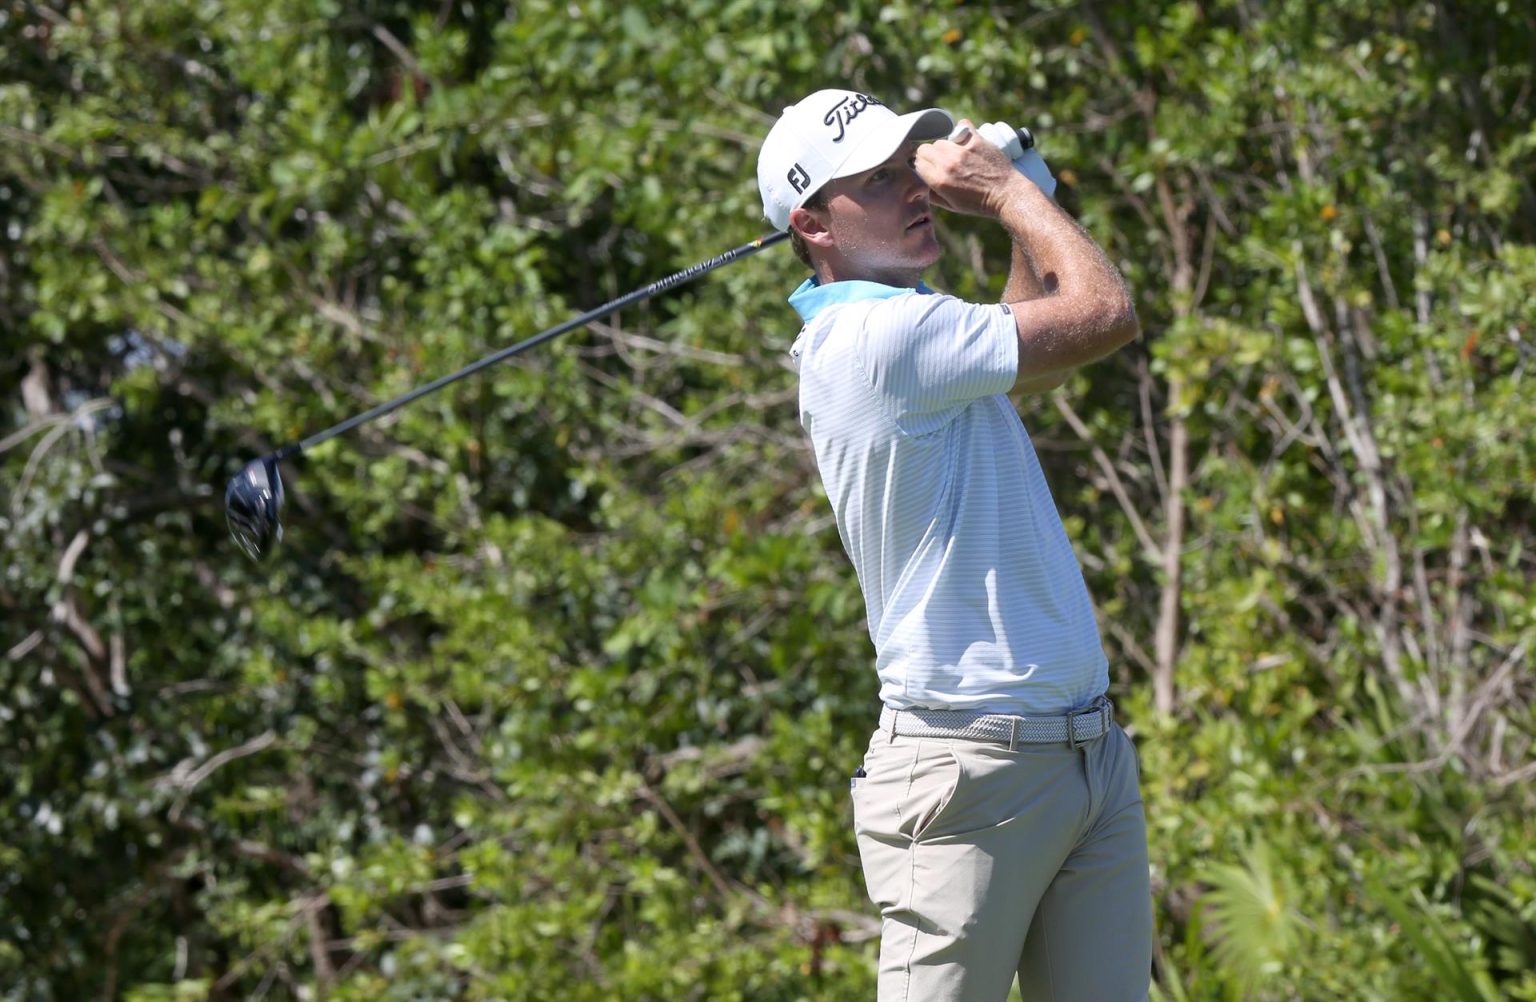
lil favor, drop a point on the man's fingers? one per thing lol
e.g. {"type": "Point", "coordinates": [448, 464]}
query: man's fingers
{"type": "Point", "coordinates": [928, 159]}
{"type": "Point", "coordinates": [963, 172]}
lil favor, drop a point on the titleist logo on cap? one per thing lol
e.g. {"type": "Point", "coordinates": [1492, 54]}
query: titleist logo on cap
{"type": "Point", "coordinates": [845, 111]}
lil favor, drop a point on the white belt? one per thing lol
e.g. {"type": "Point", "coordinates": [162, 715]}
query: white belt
{"type": "Point", "coordinates": [1075, 728]}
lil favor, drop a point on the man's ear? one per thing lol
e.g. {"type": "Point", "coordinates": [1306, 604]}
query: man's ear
{"type": "Point", "coordinates": [811, 225]}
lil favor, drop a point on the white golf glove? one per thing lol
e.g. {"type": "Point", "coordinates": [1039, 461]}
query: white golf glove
{"type": "Point", "coordinates": [1029, 162]}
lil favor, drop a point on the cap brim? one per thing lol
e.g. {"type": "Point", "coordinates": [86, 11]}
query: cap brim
{"type": "Point", "coordinates": [876, 149]}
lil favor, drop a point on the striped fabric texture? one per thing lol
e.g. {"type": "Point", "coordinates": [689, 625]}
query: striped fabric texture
{"type": "Point", "coordinates": [974, 597]}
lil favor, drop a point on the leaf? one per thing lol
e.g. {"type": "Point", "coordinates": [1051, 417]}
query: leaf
{"type": "Point", "coordinates": [1256, 930]}
{"type": "Point", "coordinates": [1450, 976]}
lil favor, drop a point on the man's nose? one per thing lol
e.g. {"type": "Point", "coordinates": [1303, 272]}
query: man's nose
{"type": "Point", "coordinates": [915, 183]}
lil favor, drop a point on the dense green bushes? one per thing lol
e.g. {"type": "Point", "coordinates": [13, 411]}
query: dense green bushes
{"type": "Point", "coordinates": [553, 687]}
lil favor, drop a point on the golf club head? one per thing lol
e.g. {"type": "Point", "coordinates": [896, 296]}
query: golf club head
{"type": "Point", "coordinates": [253, 507]}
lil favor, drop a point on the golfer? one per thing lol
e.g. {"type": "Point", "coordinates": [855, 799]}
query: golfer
{"type": "Point", "coordinates": [997, 809]}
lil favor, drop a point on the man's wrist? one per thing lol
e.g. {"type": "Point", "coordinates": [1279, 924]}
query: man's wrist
{"type": "Point", "coordinates": [1016, 202]}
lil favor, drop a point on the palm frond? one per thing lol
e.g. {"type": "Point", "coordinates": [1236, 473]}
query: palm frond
{"type": "Point", "coordinates": [1256, 929]}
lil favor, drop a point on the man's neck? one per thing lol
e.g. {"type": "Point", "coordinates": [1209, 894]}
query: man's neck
{"type": "Point", "coordinates": [828, 272]}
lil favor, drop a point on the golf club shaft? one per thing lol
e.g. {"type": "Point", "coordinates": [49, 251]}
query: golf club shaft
{"type": "Point", "coordinates": [671, 281]}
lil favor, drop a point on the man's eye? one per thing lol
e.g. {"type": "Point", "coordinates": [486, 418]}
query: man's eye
{"type": "Point", "coordinates": [880, 175]}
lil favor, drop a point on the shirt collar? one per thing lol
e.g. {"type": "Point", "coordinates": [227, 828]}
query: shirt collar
{"type": "Point", "coordinates": [812, 297]}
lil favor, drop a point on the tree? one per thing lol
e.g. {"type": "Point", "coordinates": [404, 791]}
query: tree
{"type": "Point", "coordinates": [553, 686]}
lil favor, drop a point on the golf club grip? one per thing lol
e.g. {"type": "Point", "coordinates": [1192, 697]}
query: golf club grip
{"type": "Point", "coordinates": [671, 281]}
{"type": "Point", "coordinates": [1026, 138]}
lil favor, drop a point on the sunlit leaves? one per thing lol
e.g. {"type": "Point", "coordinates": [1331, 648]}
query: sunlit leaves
{"type": "Point", "coordinates": [563, 667]}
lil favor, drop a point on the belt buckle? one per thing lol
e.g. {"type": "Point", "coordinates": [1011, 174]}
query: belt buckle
{"type": "Point", "coordinates": [1099, 706]}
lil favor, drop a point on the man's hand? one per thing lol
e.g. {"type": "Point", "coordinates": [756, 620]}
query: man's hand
{"type": "Point", "coordinates": [969, 174]}
{"type": "Point", "coordinates": [1026, 159]}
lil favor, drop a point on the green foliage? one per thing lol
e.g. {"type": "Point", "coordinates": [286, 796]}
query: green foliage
{"type": "Point", "coordinates": [1451, 975]}
{"type": "Point", "coordinates": [552, 689]}
{"type": "Point", "coordinates": [1252, 914]}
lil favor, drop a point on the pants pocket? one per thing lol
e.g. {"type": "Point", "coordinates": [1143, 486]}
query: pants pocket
{"type": "Point", "coordinates": [907, 785]}
{"type": "Point", "coordinates": [934, 782]}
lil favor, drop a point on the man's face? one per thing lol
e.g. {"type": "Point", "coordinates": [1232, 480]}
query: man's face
{"type": "Point", "coordinates": [878, 225]}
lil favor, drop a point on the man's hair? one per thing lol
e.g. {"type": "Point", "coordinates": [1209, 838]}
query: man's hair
{"type": "Point", "coordinates": [818, 200]}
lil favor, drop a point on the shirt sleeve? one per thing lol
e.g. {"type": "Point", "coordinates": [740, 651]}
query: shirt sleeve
{"type": "Point", "coordinates": [927, 356]}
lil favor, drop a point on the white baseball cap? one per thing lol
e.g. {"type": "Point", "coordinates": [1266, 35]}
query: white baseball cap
{"type": "Point", "coordinates": [832, 134]}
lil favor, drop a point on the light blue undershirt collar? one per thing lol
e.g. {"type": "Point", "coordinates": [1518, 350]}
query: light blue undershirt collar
{"type": "Point", "coordinates": [812, 297]}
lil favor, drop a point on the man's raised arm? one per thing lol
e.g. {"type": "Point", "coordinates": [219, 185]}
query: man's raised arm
{"type": "Point", "coordinates": [1089, 313]}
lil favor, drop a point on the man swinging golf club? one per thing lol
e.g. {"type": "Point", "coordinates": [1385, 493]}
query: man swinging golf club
{"type": "Point", "coordinates": [997, 809]}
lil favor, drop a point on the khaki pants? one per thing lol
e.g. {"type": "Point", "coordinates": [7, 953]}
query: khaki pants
{"type": "Point", "coordinates": [986, 863]}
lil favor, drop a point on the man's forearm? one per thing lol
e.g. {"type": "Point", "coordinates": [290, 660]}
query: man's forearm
{"type": "Point", "coordinates": [1025, 282]}
{"type": "Point", "coordinates": [1054, 244]}
{"type": "Point", "coordinates": [1089, 313]}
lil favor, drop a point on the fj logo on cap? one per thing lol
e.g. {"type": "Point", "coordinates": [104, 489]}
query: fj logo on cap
{"type": "Point", "coordinates": [798, 179]}
{"type": "Point", "coordinates": [846, 111]}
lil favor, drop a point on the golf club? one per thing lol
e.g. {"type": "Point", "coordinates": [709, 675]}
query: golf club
{"type": "Point", "coordinates": [253, 502]}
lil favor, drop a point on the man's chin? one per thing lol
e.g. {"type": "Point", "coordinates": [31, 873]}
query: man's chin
{"type": "Point", "coordinates": [930, 253]}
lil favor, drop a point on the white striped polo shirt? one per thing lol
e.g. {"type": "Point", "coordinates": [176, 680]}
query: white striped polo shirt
{"type": "Point", "coordinates": [975, 598]}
